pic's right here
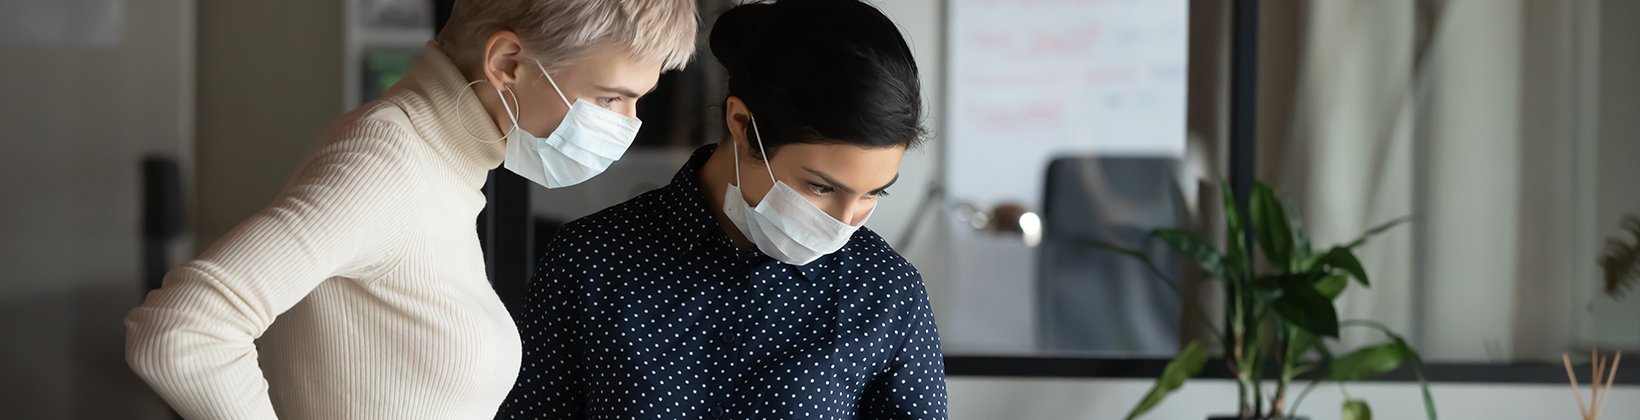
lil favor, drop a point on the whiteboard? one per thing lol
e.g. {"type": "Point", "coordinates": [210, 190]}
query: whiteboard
{"type": "Point", "coordinates": [1029, 80]}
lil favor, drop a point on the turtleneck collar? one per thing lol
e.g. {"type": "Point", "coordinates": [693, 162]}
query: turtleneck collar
{"type": "Point", "coordinates": [446, 113]}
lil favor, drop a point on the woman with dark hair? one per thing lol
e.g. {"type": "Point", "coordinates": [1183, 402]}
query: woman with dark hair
{"type": "Point", "coordinates": [747, 288]}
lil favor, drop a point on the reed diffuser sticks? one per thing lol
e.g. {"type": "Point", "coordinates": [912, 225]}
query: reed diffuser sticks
{"type": "Point", "coordinates": [1604, 369]}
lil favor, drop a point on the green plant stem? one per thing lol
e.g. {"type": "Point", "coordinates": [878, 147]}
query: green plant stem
{"type": "Point", "coordinates": [1171, 285]}
{"type": "Point", "coordinates": [1417, 362]}
{"type": "Point", "coordinates": [1256, 364]}
{"type": "Point", "coordinates": [1277, 409]}
{"type": "Point", "coordinates": [1233, 347]}
{"type": "Point", "coordinates": [1305, 393]}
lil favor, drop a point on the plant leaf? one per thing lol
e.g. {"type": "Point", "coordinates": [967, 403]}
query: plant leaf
{"type": "Point", "coordinates": [1236, 267]}
{"type": "Point", "coordinates": [1620, 263]}
{"type": "Point", "coordinates": [1417, 369]}
{"type": "Point", "coordinates": [1298, 343]}
{"type": "Point", "coordinates": [1376, 230]}
{"type": "Point", "coordinates": [1332, 286]}
{"type": "Point", "coordinates": [1187, 364]}
{"type": "Point", "coordinates": [1277, 281]}
{"type": "Point", "coordinates": [1270, 227]}
{"type": "Point", "coordinates": [1357, 410]}
{"type": "Point", "coordinates": [1301, 241]}
{"type": "Point", "coordinates": [1410, 355]}
{"type": "Point", "coordinates": [1344, 259]}
{"type": "Point", "coordinates": [1301, 305]}
{"type": "Point", "coordinates": [1189, 244]}
{"type": "Point", "coordinates": [1367, 362]}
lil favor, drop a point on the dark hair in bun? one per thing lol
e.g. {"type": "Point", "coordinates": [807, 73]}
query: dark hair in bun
{"type": "Point", "coordinates": [821, 71]}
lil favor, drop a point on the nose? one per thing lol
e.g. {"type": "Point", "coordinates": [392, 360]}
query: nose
{"type": "Point", "coordinates": [854, 213]}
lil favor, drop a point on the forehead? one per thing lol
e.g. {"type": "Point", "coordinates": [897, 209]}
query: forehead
{"type": "Point", "coordinates": [615, 67]}
{"type": "Point", "coordinates": [856, 165]}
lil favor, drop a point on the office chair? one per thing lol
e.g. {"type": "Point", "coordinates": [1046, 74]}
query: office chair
{"type": "Point", "coordinates": [1092, 300]}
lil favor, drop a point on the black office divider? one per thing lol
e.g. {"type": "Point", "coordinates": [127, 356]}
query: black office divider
{"type": "Point", "coordinates": [441, 13]}
{"type": "Point", "coordinates": [506, 234]}
{"type": "Point", "coordinates": [162, 216]}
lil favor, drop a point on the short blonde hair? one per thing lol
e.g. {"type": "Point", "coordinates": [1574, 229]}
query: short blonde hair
{"type": "Point", "coordinates": [558, 32]}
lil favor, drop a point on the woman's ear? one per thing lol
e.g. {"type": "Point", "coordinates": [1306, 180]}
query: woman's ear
{"type": "Point", "coordinates": [737, 119]}
{"type": "Point", "coordinates": [501, 57]}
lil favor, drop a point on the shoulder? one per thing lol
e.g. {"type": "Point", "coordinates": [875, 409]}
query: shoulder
{"type": "Point", "coordinates": [870, 251]}
{"type": "Point", "coordinates": [622, 229]}
{"type": "Point", "coordinates": [871, 259]}
{"type": "Point", "coordinates": [879, 279]}
{"type": "Point", "coordinates": [636, 216]}
{"type": "Point", "coordinates": [365, 159]}
{"type": "Point", "coordinates": [372, 142]}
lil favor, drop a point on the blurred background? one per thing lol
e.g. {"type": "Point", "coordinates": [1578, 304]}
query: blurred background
{"type": "Point", "coordinates": [136, 132]}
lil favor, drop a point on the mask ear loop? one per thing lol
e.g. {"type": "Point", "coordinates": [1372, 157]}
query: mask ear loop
{"type": "Point", "coordinates": [504, 105]}
{"type": "Point", "coordinates": [737, 161]}
{"type": "Point", "coordinates": [554, 84]}
{"type": "Point", "coordinates": [760, 150]}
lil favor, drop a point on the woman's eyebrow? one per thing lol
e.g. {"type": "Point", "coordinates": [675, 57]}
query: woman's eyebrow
{"type": "Point", "coordinates": [844, 187]}
{"type": "Point", "coordinates": [833, 182]}
{"type": "Point", "coordinates": [890, 182]}
{"type": "Point", "coordinates": [623, 91]}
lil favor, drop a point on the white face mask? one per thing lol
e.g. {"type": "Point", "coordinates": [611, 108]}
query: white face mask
{"type": "Point", "coordinates": [785, 225]}
{"type": "Point", "coordinates": [583, 146]}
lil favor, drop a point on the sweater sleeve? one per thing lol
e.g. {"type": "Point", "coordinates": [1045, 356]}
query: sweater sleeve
{"type": "Point", "coordinates": [341, 215]}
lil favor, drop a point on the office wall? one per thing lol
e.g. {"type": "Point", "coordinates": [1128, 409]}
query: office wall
{"type": "Point", "coordinates": [86, 89]}
{"type": "Point", "coordinates": [270, 78]}
{"type": "Point", "coordinates": [79, 109]}
{"type": "Point", "coordinates": [1473, 179]}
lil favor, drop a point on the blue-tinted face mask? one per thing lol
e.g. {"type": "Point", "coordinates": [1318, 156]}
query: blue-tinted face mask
{"type": "Point", "coordinates": [588, 140]}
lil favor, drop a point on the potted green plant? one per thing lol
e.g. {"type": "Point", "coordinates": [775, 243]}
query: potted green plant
{"type": "Point", "coordinates": [1279, 313]}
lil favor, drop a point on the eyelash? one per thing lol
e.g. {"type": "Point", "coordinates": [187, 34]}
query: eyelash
{"type": "Point", "coordinates": [819, 189]}
{"type": "Point", "coordinates": [606, 102]}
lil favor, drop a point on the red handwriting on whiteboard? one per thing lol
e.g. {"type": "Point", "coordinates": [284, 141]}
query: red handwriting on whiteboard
{"type": "Point", "coordinates": [1060, 78]}
{"type": "Point", "coordinates": [1026, 3]}
{"type": "Point", "coordinates": [1013, 115]}
{"type": "Point", "coordinates": [1060, 43]}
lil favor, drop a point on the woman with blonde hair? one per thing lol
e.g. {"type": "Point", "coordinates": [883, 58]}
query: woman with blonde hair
{"type": "Point", "coordinates": [363, 281]}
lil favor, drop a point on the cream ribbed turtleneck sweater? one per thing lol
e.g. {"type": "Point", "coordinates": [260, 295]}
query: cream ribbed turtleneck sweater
{"type": "Point", "coordinates": [361, 289]}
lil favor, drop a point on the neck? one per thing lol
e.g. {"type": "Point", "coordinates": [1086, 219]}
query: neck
{"type": "Point", "coordinates": [492, 105]}
{"type": "Point", "coordinates": [715, 177]}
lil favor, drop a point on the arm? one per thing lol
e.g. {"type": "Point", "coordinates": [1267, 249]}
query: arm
{"type": "Point", "coordinates": [913, 384]}
{"type": "Point", "coordinates": [192, 340]}
{"type": "Point", "coordinates": [551, 381]}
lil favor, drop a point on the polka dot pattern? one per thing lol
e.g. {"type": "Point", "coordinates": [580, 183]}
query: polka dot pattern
{"type": "Point", "coordinates": [647, 311]}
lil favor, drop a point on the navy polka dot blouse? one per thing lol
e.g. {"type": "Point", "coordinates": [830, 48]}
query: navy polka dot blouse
{"type": "Point", "coordinates": [647, 311]}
